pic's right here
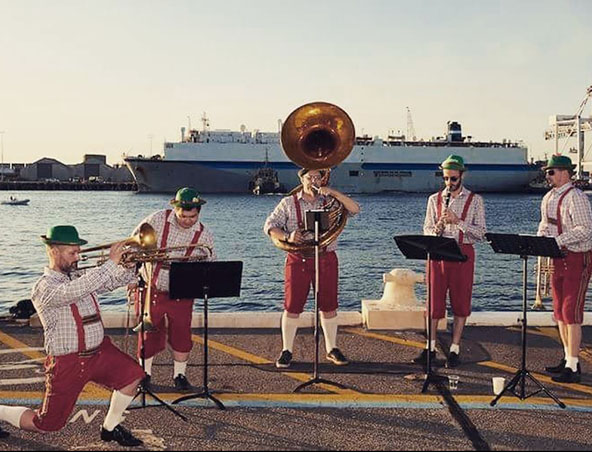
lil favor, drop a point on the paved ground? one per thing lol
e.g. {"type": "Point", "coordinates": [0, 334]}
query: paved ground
{"type": "Point", "coordinates": [381, 409]}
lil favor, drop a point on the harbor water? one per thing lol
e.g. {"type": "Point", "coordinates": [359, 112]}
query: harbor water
{"type": "Point", "coordinates": [366, 247]}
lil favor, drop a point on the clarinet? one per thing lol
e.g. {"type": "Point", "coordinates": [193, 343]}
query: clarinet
{"type": "Point", "coordinates": [446, 204]}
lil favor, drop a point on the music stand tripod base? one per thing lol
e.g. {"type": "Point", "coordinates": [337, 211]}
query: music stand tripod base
{"type": "Point", "coordinates": [524, 246]}
{"type": "Point", "coordinates": [316, 221]}
{"type": "Point", "coordinates": [205, 280]}
{"type": "Point", "coordinates": [429, 248]}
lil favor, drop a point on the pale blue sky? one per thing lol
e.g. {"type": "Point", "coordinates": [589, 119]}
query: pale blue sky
{"type": "Point", "coordinates": [103, 76]}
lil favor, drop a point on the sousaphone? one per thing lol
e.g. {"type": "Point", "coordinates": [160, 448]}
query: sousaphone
{"type": "Point", "coordinates": [318, 135]}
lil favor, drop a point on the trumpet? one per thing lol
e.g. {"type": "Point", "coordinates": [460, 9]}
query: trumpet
{"type": "Point", "coordinates": [544, 273]}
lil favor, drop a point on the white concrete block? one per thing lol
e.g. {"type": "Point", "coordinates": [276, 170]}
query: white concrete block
{"type": "Point", "coordinates": [377, 315]}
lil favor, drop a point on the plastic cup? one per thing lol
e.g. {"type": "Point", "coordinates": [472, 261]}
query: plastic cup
{"type": "Point", "coordinates": [498, 384]}
{"type": "Point", "coordinates": [453, 382]}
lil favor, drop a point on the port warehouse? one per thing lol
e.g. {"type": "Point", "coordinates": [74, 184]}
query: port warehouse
{"type": "Point", "coordinates": [94, 167]}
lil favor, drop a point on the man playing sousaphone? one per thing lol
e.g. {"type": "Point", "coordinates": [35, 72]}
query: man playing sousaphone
{"type": "Point", "coordinates": [286, 224]}
{"type": "Point", "coordinates": [180, 229]}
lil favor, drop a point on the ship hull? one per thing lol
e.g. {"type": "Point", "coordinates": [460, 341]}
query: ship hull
{"type": "Point", "coordinates": [166, 176]}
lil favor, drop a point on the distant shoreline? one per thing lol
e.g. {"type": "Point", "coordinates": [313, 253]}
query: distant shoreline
{"type": "Point", "coordinates": [67, 186]}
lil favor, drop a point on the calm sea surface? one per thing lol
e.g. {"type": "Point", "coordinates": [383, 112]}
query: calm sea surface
{"type": "Point", "coordinates": [366, 248]}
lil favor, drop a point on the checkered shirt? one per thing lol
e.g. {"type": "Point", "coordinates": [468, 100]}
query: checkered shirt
{"type": "Point", "coordinates": [473, 227]}
{"type": "Point", "coordinates": [53, 294]}
{"type": "Point", "coordinates": [576, 218]}
{"type": "Point", "coordinates": [178, 236]}
{"type": "Point", "coordinates": [284, 215]}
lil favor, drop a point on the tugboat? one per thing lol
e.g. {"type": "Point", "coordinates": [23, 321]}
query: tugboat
{"type": "Point", "coordinates": [266, 180]}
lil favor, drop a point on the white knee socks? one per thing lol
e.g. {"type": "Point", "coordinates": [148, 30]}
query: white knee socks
{"type": "Point", "coordinates": [147, 365]}
{"type": "Point", "coordinates": [179, 368]}
{"type": "Point", "coordinates": [12, 414]}
{"type": "Point", "coordinates": [330, 332]}
{"type": "Point", "coordinates": [289, 329]}
{"type": "Point", "coordinates": [119, 403]}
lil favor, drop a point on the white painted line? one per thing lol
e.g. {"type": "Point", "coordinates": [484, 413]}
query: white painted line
{"type": "Point", "coordinates": [20, 381]}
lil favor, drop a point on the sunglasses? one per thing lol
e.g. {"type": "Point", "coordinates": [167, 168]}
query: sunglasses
{"type": "Point", "coordinates": [451, 178]}
{"type": "Point", "coordinates": [550, 172]}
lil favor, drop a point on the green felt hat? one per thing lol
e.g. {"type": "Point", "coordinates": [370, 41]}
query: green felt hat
{"type": "Point", "coordinates": [187, 198]}
{"type": "Point", "coordinates": [559, 162]}
{"type": "Point", "coordinates": [453, 162]}
{"type": "Point", "coordinates": [62, 235]}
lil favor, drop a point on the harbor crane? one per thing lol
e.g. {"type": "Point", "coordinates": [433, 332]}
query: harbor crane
{"type": "Point", "coordinates": [410, 128]}
{"type": "Point", "coordinates": [566, 126]}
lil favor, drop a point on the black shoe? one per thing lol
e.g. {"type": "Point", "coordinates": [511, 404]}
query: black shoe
{"type": "Point", "coordinates": [4, 433]}
{"type": "Point", "coordinates": [284, 361]}
{"type": "Point", "coordinates": [453, 360]}
{"type": "Point", "coordinates": [568, 376]}
{"type": "Point", "coordinates": [181, 383]}
{"type": "Point", "coordinates": [559, 368]}
{"type": "Point", "coordinates": [422, 358]}
{"type": "Point", "coordinates": [145, 384]}
{"type": "Point", "coordinates": [556, 369]}
{"type": "Point", "coordinates": [121, 435]}
{"type": "Point", "coordinates": [337, 358]}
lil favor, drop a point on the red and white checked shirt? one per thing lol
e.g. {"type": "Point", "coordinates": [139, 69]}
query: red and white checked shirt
{"type": "Point", "coordinates": [576, 218]}
{"type": "Point", "coordinates": [285, 218]}
{"type": "Point", "coordinates": [53, 294]}
{"type": "Point", "coordinates": [473, 227]}
{"type": "Point", "coordinates": [178, 236]}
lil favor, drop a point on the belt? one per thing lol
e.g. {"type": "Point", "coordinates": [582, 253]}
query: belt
{"type": "Point", "coordinates": [88, 352]}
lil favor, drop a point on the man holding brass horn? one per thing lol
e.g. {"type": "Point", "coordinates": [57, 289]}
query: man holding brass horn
{"type": "Point", "coordinates": [180, 236]}
{"type": "Point", "coordinates": [457, 213]}
{"type": "Point", "coordinates": [315, 136]}
{"type": "Point", "coordinates": [77, 350]}
{"type": "Point", "coordinates": [567, 216]}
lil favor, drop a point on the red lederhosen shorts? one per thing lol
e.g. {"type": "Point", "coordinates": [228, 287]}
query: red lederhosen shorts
{"type": "Point", "coordinates": [66, 376]}
{"type": "Point", "coordinates": [569, 284]}
{"type": "Point", "coordinates": [456, 279]}
{"type": "Point", "coordinates": [172, 319]}
{"type": "Point", "coordinates": [300, 275]}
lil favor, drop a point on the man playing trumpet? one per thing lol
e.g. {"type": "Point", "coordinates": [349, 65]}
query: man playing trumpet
{"type": "Point", "coordinates": [77, 350]}
{"type": "Point", "coordinates": [567, 216]}
{"type": "Point", "coordinates": [178, 228]}
{"type": "Point", "coordinates": [286, 223]}
{"type": "Point", "coordinates": [457, 213]}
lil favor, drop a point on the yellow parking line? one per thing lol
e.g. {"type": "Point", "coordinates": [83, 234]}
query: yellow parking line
{"type": "Point", "coordinates": [574, 386]}
{"type": "Point", "coordinates": [384, 337]}
{"type": "Point", "coordinates": [255, 359]}
{"type": "Point", "coordinates": [91, 390]}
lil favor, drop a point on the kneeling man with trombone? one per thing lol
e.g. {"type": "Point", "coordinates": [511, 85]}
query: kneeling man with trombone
{"type": "Point", "coordinates": [78, 352]}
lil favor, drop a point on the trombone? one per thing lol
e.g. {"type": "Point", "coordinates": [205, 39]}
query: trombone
{"type": "Point", "coordinates": [143, 250]}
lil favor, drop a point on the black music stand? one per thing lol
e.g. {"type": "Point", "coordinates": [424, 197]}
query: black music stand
{"type": "Point", "coordinates": [205, 280]}
{"type": "Point", "coordinates": [524, 246]}
{"type": "Point", "coordinates": [143, 389]}
{"type": "Point", "coordinates": [429, 248]}
{"type": "Point", "coordinates": [317, 221]}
